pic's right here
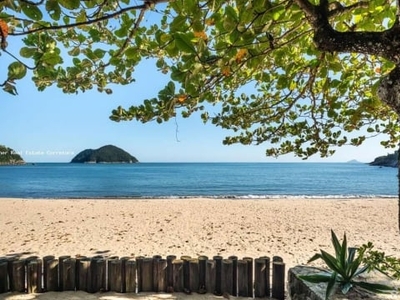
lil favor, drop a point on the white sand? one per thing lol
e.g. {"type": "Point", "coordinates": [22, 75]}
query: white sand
{"type": "Point", "coordinates": [291, 228]}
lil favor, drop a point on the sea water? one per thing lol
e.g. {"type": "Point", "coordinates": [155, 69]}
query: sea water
{"type": "Point", "coordinates": [186, 180]}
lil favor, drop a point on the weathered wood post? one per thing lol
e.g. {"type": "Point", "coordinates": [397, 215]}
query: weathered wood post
{"type": "Point", "coordinates": [243, 281]}
{"type": "Point", "coordinates": [115, 275]}
{"type": "Point", "coordinates": [10, 261]}
{"type": "Point", "coordinates": [227, 277]}
{"type": "Point", "coordinates": [99, 274]}
{"type": "Point", "coordinates": [130, 275]}
{"type": "Point", "coordinates": [123, 273]}
{"type": "Point", "coordinates": [249, 275]}
{"type": "Point", "coordinates": [267, 275]}
{"type": "Point", "coordinates": [147, 274]}
{"type": "Point", "coordinates": [34, 276]}
{"type": "Point", "coordinates": [77, 264]}
{"type": "Point", "coordinates": [61, 272]}
{"type": "Point", "coordinates": [156, 258]}
{"type": "Point", "coordinates": [259, 278]}
{"type": "Point", "coordinates": [17, 277]}
{"type": "Point", "coordinates": [84, 274]}
{"type": "Point", "coordinates": [210, 276]}
{"type": "Point", "coordinates": [50, 271]}
{"type": "Point", "coordinates": [186, 274]}
{"type": "Point", "coordinates": [177, 274]}
{"type": "Point", "coordinates": [45, 269]}
{"type": "Point", "coordinates": [194, 275]}
{"type": "Point", "coordinates": [234, 276]}
{"type": "Point", "coordinates": [68, 274]}
{"type": "Point", "coordinates": [161, 275]}
{"type": "Point", "coordinates": [278, 280]}
{"type": "Point", "coordinates": [202, 274]}
{"type": "Point", "coordinates": [218, 274]}
{"type": "Point", "coordinates": [109, 261]}
{"type": "Point", "coordinates": [139, 264]}
{"type": "Point", "coordinates": [3, 275]}
{"type": "Point", "coordinates": [170, 274]}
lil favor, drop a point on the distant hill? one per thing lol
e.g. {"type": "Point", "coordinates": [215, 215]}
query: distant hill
{"type": "Point", "coordinates": [390, 160]}
{"type": "Point", "coordinates": [105, 154]}
{"type": "Point", "coordinates": [9, 157]}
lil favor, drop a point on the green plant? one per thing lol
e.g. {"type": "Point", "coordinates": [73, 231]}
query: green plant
{"type": "Point", "coordinates": [344, 269]}
{"type": "Point", "coordinates": [378, 260]}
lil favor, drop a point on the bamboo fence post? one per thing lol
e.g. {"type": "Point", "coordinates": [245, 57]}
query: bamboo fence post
{"type": "Point", "coordinates": [194, 275]}
{"type": "Point", "coordinates": [249, 275]}
{"type": "Point", "coordinates": [259, 278]}
{"type": "Point", "coordinates": [130, 275]}
{"type": "Point", "coordinates": [147, 274]}
{"type": "Point", "coordinates": [68, 274]}
{"type": "Point", "coordinates": [227, 277]}
{"type": "Point", "coordinates": [34, 276]}
{"type": "Point", "coordinates": [84, 274]}
{"type": "Point", "coordinates": [234, 276]}
{"type": "Point", "coordinates": [218, 273]}
{"type": "Point", "coordinates": [3, 276]}
{"type": "Point", "coordinates": [202, 274]}
{"type": "Point", "coordinates": [170, 274]}
{"type": "Point", "coordinates": [243, 281]}
{"type": "Point", "coordinates": [115, 275]}
{"type": "Point", "coordinates": [17, 277]}
{"type": "Point", "coordinates": [61, 272]}
{"type": "Point", "coordinates": [177, 275]}
{"type": "Point", "coordinates": [139, 264]}
{"type": "Point", "coordinates": [210, 276]}
{"type": "Point", "coordinates": [50, 268]}
{"type": "Point", "coordinates": [278, 280]}
{"type": "Point", "coordinates": [45, 269]}
{"type": "Point", "coordinates": [186, 274]}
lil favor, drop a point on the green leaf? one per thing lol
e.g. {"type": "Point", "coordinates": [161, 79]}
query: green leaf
{"type": "Point", "coordinates": [316, 278]}
{"type": "Point", "coordinates": [16, 70]}
{"type": "Point", "coordinates": [331, 285]}
{"type": "Point", "coordinates": [32, 11]}
{"type": "Point", "coordinates": [374, 287]}
{"type": "Point", "coordinates": [183, 42]}
{"type": "Point", "coordinates": [53, 9]}
{"type": "Point", "coordinates": [70, 4]}
{"type": "Point", "coordinates": [27, 52]}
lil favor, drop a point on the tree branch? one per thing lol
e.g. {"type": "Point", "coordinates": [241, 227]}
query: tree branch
{"type": "Point", "coordinates": [145, 5]}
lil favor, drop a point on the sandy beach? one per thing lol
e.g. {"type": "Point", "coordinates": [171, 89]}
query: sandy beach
{"type": "Point", "coordinates": [291, 228]}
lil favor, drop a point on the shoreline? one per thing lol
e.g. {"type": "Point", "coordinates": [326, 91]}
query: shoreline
{"type": "Point", "coordinates": [292, 228]}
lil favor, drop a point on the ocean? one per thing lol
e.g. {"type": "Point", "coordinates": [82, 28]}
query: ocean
{"type": "Point", "coordinates": [186, 180]}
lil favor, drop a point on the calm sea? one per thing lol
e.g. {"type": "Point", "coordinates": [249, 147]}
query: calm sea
{"type": "Point", "coordinates": [214, 180]}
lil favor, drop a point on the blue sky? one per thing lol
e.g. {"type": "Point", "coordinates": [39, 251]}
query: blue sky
{"type": "Point", "coordinates": [51, 126]}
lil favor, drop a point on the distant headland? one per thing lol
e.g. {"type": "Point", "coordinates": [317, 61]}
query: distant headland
{"type": "Point", "coordinates": [105, 154]}
{"type": "Point", "coordinates": [10, 157]}
{"type": "Point", "coordinates": [390, 160]}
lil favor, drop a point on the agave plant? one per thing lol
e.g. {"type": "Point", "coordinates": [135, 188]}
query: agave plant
{"type": "Point", "coordinates": [344, 268]}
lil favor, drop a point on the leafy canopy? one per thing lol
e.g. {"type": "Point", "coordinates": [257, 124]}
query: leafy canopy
{"type": "Point", "coordinates": [255, 60]}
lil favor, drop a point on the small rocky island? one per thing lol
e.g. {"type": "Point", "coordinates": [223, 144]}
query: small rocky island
{"type": "Point", "coordinates": [390, 160]}
{"type": "Point", "coordinates": [105, 154]}
{"type": "Point", "coordinates": [10, 157]}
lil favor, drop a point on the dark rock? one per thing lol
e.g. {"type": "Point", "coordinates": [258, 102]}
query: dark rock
{"type": "Point", "coordinates": [390, 160]}
{"type": "Point", "coordinates": [105, 154]}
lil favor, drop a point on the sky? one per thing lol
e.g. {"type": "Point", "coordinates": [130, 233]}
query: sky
{"type": "Point", "coordinates": [50, 126]}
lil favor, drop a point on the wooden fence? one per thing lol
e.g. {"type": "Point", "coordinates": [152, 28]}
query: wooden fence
{"type": "Point", "coordinates": [247, 277]}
